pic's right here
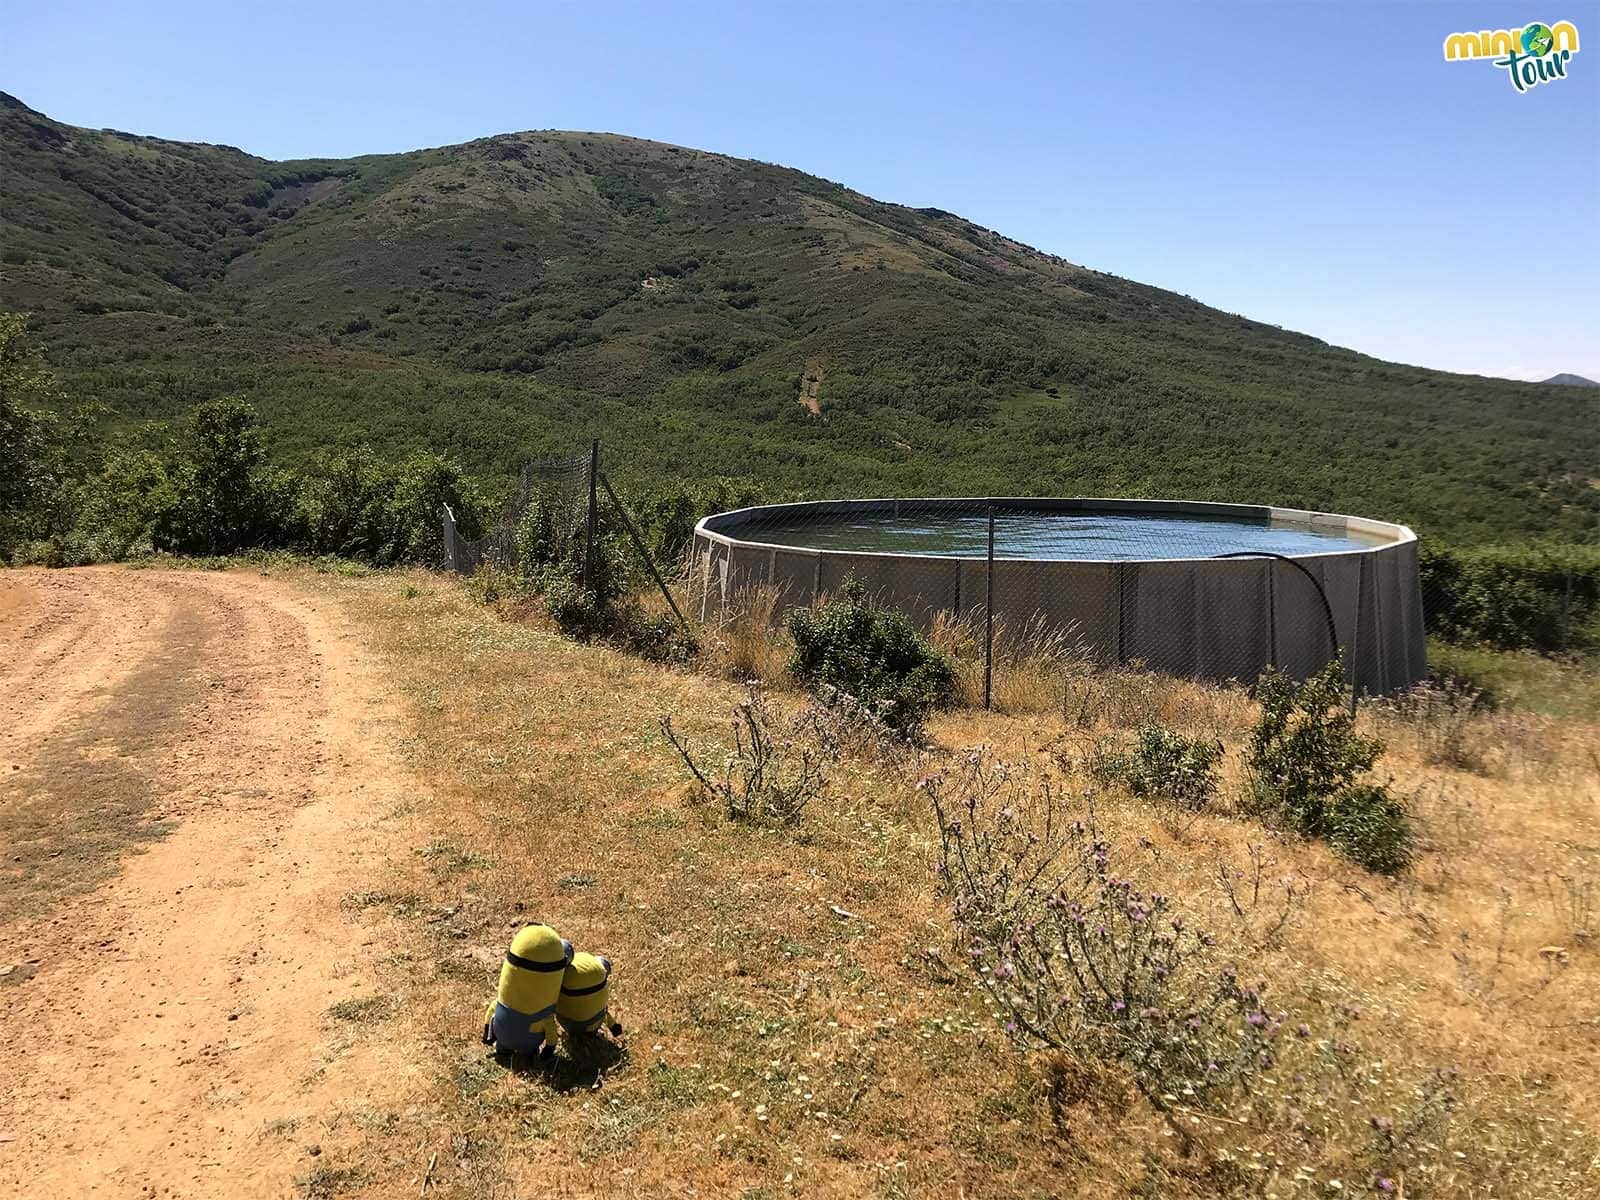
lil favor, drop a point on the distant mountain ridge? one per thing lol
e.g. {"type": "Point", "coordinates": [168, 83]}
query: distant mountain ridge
{"type": "Point", "coordinates": [1567, 379]}
{"type": "Point", "coordinates": [709, 315]}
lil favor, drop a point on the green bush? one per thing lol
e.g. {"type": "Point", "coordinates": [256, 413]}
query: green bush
{"type": "Point", "coordinates": [1304, 748]}
{"type": "Point", "coordinates": [551, 530]}
{"type": "Point", "coordinates": [490, 584]}
{"type": "Point", "coordinates": [120, 507]}
{"type": "Point", "coordinates": [1164, 763]}
{"type": "Point", "coordinates": [592, 607]}
{"type": "Point", "coordinates": [1369, 826]}
{"type": "Point", "coordinates": [38, 552]}
{"type": "Point", "coordinates": [659, 638]}
{"type": "Point", "coordinates": [1305, 760]}
{"type": "Point", "coordinates": [354, 504]}
{"type": "Point", "coordinates": [666, 514]}
{"type": "Point", "coordinates": [1521, 597]}
{"type": "Point", "coordinates": [581, 612]}
{"type": "Point", "coordinates": [872, 654]}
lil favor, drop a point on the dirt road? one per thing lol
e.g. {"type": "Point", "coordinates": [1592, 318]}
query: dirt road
{"type": "Point", "coordinates": [194, 770]}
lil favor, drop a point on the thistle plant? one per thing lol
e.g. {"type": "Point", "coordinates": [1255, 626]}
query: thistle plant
{"type": "Point", "coordinates": [772, 770]}
{"type": "Point", "coordinates": [1078, 957]}
{"type": "Point", "coordinates": [842, 725]}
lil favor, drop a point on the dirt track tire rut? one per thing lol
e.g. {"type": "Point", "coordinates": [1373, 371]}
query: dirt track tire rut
{"type": "Point", "coordinates": [195, 773]}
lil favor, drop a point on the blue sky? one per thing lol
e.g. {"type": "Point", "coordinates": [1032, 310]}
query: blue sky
{"type": "Point", "coordinates": [1315, 165]}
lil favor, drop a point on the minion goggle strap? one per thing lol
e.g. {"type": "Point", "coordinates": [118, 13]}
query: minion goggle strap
{"type": "Point", "coordinates": [527, 964]}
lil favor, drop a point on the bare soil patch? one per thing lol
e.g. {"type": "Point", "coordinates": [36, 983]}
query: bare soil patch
{"type": "Point", "coordinates": [195, 775]}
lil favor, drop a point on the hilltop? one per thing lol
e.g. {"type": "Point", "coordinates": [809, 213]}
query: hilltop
{"type": "Point", "coordinates": [710, 315]}
{"type": "Point", "coordinates": [1568, 379]}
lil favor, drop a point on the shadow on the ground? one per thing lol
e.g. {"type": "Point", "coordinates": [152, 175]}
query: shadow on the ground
{"type": "Point", "coordinates": [579, 1063]}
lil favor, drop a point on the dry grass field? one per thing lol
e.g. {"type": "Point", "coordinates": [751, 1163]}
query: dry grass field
{"type": "Point", "coordinates": [347, 792]}
{"type": "Point", "coordinates": [799, 1018]}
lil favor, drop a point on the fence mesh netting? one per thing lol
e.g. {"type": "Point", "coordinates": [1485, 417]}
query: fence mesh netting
{"type": "Point", "coordinates": [1215, 596]}
{"type": "Point", "coordinates": [547, 509]}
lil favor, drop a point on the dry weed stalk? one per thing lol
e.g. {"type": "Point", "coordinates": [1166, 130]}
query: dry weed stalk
{"type": "Point", "coordinates": [769, 775]}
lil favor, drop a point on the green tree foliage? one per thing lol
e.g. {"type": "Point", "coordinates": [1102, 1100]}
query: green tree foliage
{"type": "Point", "coordinates": [120, 508]}
{"type": "Point", "coordinates": [1539, 596]}
{"type": "Point", "coordinates": [668, 512]}
{"type": "Point", "coordinates": [227, 497]}
{"type": "Point", "coordinates": [33, 464]}
{"type": "Point", "coordinates": [212, 489]}
{"type": "Point", "coordinates": [351, 502]}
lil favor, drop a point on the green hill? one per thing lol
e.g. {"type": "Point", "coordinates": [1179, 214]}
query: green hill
{"type": "Point", "coordinates": [709, 315]}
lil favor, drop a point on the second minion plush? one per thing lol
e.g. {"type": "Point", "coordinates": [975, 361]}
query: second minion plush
{"type": "Point", "coordinates": [521, 1018]}
{"type": "Point", "coordinates": [584, 1004]}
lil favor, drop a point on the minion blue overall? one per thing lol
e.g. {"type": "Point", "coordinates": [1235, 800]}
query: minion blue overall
{"type": "Point", "coordinates": [521, 1018]}
{"type": "Point", "coordinates": [585, 1002]}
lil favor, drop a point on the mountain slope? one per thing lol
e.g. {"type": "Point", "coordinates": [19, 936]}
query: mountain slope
{"type": "Point", "coordinates": [704, 315]}
{"type": "Point", "coordinates": [1568, 379]}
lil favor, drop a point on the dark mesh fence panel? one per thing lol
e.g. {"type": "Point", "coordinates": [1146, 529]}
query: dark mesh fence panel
{"type": "Point", "coordinates": [910, 554]}
{"type": "Point", "coordinates": [549, 506]}
{"type": "Point", "coordinates": [1033, 585]}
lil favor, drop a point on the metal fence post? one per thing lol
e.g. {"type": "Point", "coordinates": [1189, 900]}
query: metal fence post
{"type": "Point", "coordinates": [593, 527]}
{"type": "Point", "coordinates": [448, 521]}
{"type": "Point", "coordinates": [988, 618]}
{"type": "Point", "coordinates": [644, 553]}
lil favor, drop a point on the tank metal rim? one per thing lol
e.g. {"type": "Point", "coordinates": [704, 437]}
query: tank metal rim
{"type": "Point", "coordinates": [1395, 534]}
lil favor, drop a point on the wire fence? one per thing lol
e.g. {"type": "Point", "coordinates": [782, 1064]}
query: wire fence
{"type": "Point", "coordinates": [551, 507]}
{"type": "Point", "coordinates": [554, 518]}
{"type": "Point", "coordinates": [1216, 593]}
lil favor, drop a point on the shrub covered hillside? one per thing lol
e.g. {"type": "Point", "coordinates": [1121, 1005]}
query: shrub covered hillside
{"type": "Point", "coordinates": [516, 294]}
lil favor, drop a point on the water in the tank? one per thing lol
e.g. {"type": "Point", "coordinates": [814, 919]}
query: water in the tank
{"type": "Point", "coordinates": [1088, 535]}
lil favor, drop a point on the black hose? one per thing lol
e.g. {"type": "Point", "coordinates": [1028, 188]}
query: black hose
{"type": "Point", "coordinates": [1327, 609]}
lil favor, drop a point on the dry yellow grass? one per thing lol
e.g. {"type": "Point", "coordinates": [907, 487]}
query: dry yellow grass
{"type": "Point", "coordinates": [794, 1024]}
{"type": "Point", "coordinates": [744, 641]}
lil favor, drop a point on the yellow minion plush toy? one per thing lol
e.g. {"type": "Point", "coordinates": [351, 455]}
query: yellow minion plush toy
{"type": "Point", "coordinates": [521, 1018]}
{"type": "Point", "coordinates": [584, 1005]}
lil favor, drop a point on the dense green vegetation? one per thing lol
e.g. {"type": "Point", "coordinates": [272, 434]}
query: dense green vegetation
{"type": "Point", "coordinates": [1539, 596]}
{"type": "Point", "coordinates": [403, 324]}
{"type": "Point", "coordinates": [518, 294]}
{"type": "Point", "coordinates": [208, 488]}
